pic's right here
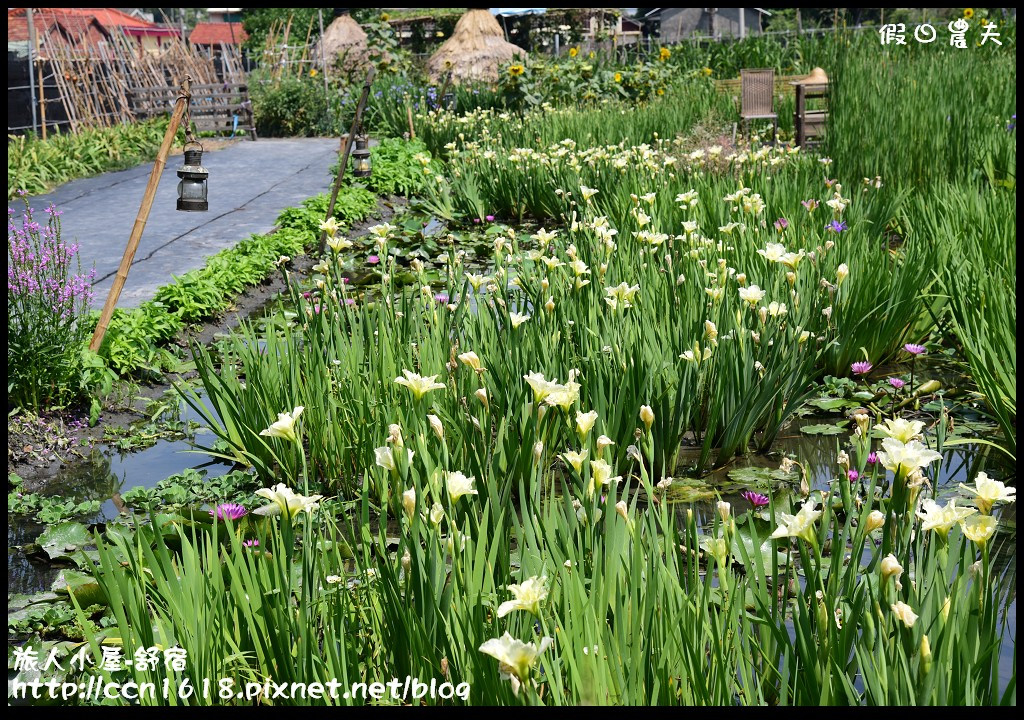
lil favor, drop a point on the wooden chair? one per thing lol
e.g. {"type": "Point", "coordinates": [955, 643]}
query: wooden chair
{"type": "Point", "coordinates": [757, 99]}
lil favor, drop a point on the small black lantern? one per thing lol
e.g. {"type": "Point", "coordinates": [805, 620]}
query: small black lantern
{"type": "Point", "coordinates": [361, 157]}
{"type": "Point", "coordinates": [192, 187]}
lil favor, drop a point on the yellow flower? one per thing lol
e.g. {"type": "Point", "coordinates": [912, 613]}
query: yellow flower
{"type": "Point", "coordinates": [942, 518]}
{"type": "Point", "coordinates": [706, 71]}
{"type": "Point", "coordinates": [904, 613]}
{"type": "Point", "coordinates": [664, 54]}
{"type": "Point", "coordinates": [458, 485]}
{"type": "Point", "coordinates": [384, 17]}
{"type": "Point", "coordinates": [529, 596]}
{"type": "Point", "coordinates": [891, 568]}
{"type": "Point", "coordinates": [618, 77]}
{"type": "Point", "coordinates": [285, 425]}
{"type": "Point", "coordinates": [968, 13]}
{"type": "Point", "coordinates": [585, 422]}
{"type": "Point", "coordinates": [979, 528]}
{"type": "Point", "coordinates": [874, 521]}
{"type": "Point", "coordinates": [285, 500]}
{"type": "Point", "coordinates": [312, 73]}
{"type": "Point", "coordinates": [515, 658]}
{"type": "Point", "coordinates": [661, 91]}
{"type": "Point", "coordinates": [576, 458]}
{"type": "Point", "coordinates": [573, 52]}
{"type": "Point", "coordinates": [647, 415]}
{"type": "Point", "coordinates": [419, 385]}
{"type": "Point", "coordinates": [516, 70]}
{"type": "Point", "coordinates": [989, 492]}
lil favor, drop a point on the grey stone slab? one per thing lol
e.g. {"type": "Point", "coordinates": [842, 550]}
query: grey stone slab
{"type": "Point", "coordinates": [250, 184]}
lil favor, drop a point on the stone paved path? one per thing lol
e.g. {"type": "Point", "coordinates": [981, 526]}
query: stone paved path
{"type": "Point", "coordinates": [250, 184]}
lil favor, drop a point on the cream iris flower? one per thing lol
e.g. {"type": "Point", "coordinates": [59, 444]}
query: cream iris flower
{"type": "Point", "coordinates": [419, 385]}
{"type": "Point", "coordinates": [459, 485]}
{"type": "Point", "coordinates": [285, 425]}
{"type": "Point", "coordinates": [979, 528]}
{"type": "Point", "coordinates": [386, 459]}
{"type": "Point", "coordinates": [988, 492]}
{"type": "Point", "coordinates": [800, 525]}
{"type": "Point", "coordinates": [330, 226]}
{"type": "Point", "coordinates": [471, 359]}
{"type": "Point", "coordinates": [942, 518]}
{"type": "Point", "coordinates": [902, 430]}
{"type": "Point", "coordinates": [541, 387]}
{"type": "Point", "coordinates": [585, 422]}
{"type": "Point", "coordinates": [337, 244]}
{"type": "Point", "coordinates": [904, 613]}
{"type": "Point", "coordinates": [752, 294]}
{"type": "Point", "coordinates": [899, 457]}
{"type": "Point", "coordinates": [576, 458]}
{"type": "Point", "coordinates": [285, 501]}
{"type": "Point", "coordinates": [517, 319]}
{"type": "Point", "coordinates": [515, 658]}
{"type": "Point", "coordinates": [601, 474]}
{"type": "Point", "coordinates": [529, 596]}
{"type": "Point", "coordinates": [621, 296]}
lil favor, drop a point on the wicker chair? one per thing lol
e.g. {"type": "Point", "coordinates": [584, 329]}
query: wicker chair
{"type": "Point", "coordinates": [757, 99]}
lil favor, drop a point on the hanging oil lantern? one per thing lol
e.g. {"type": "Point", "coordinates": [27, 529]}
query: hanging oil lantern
{"type": "Point", "coordinates": [361, 157]}
{"type": "Point", "coordinates": [192, 187]}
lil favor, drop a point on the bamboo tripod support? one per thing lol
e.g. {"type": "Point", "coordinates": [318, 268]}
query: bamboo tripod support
{"type": "Point", "coordinates": [346, 151]}
{"type": "Point", "coordinates": [140, 220]}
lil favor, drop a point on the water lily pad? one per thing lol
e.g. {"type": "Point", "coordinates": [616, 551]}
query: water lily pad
{"type": "Point", "coordinates": [84, 587]}
{"type": "Point", "coordinates": [832, 403]}
{"type": "Point", "coordinates": [759, 477]}
{"type": "Point", "coordinates": [822, 430]}
{"type": "Point", "coordinates": [689, 491]}
{"type": "Point", "coordinates": [62, 540]}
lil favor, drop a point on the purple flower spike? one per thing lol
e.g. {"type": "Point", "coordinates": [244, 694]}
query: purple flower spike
{"type": "Point", "coordinates": [896, 383]}
{"type": "Point", "coordinates": [836, 226]}
{"type": "Point", "coordinates": [373, 259]}
{"type": "Point", "coordinates": [228, 511]}
{"type": "Point", "coordinates": [872, 458]}
{"type": "Point", "coordinates": [853, 475]}
{"type": "Point", "coordinates": [915, 349]}
{"type": "Point", "coordinates": [755, 499]}
{"type": "Point", "coordinates": [861, 368]}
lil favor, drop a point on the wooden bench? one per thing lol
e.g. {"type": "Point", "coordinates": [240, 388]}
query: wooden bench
{"type": "Point", "coordinates": [213, 107]}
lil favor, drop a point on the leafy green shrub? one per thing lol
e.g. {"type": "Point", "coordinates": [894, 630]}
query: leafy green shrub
{"type": "Point", "coordinates": [289, 106]}
{"type": "Point", "coordinates": [35, 165]}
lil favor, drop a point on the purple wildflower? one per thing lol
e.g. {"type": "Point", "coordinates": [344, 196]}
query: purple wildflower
{"type": "Point", "coordinates": [915, 349]}
{"type": "Point", "coordinates": [861, 368]}
{"type": "Point", "coordinates": [853, 475]}
{"type": "Point", "coordinates": [228, 511]}
{"type": "Point", "coordinates": [373, 259]}
{"type": "Point", "coordinates": [441, 297]}
{"type": "Point", "coordinates": [897, 383]}
{"type": "Point", "coordinates": [476, 221]}
{"type": "Point", "coordinates": [251, 543]}
{"type": "Point", "coordinates": [350, 301]}
{"type": "Point", "coordinates": [489, 218]}
{"type": "Point", "coordinates": [810, 204]}
{"type": "Point", "coordinates": [836, 226]}
{"type": "Point", "coordinates": [781, 224]}
{"type": "Point", "coordinates": [872, 458]}
{"type": "Point", "coordinates": [755, 499]}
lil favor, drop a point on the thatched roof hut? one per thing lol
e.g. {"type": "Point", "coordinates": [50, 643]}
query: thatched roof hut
{"type": "Point", "coordinates": [475, 51]}
{"type": "Point", "coordinates": [344, 44]}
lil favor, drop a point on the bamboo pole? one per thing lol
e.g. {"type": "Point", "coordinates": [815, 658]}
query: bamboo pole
{"type": "Point", "coordinates": [143, 215]}
{"type": "Point", "coordinates": [347, 150]}
{"type": "Point", "coordinates": [408, 115]}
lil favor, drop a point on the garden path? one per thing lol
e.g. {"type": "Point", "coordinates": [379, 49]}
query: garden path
{"type": "Point", "coordinates": [250, 184]}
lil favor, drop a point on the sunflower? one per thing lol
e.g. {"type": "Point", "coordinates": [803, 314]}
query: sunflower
{"type": "Point", "coordinates": [573, 52]}
{"type": "Point", "coordinates": [664, 54]}
{"type": "Point", "coordinates": [516, 70]}
{"type": "Point", "coordinates": [968, 13]}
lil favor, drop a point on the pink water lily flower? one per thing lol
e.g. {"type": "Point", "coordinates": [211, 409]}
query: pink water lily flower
{"type": "Point", "coordinates": [755, 499]}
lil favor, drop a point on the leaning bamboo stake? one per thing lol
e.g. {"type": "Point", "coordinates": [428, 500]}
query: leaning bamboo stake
{"type": "Point", "coordinates": [140, 220]}
{"type": "Point", "coordinates": [346, 152]}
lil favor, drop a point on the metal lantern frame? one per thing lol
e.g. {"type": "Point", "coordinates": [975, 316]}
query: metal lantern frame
{"type": "Point", "coordinates": [193, 188]}
{"type": "Point", "coordinates": [361, 164]}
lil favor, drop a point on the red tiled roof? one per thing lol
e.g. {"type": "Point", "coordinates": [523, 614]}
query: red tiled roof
{"type": "Point", "coordinates": [78, 25]}
{"type": "Point", "coordinates": [213, 33]}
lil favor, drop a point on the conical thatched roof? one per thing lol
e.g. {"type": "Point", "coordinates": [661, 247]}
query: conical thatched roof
{"type": "Point", "coordinates": [344, 44]}
{"type": "Point", "coordinates": [475, 51]}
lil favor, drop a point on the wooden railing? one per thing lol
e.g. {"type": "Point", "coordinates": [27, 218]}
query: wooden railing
{"type": "Point", "coordinates": [213, 108]}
